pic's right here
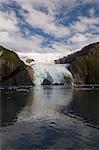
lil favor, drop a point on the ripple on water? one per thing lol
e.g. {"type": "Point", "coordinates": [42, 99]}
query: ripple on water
{"type": "Point", "coordinates": [50, 118]}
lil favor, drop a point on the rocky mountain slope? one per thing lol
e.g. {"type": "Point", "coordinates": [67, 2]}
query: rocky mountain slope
{"type": "Point", "coordinates": [84, 64]}
{"type": "Point", "coordinates": [13, 72]}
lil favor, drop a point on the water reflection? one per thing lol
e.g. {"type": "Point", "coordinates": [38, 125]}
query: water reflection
{"type": "Point", "coordinates": [24, 104]}
{"type": "Point", "coordinates": [12, 102]}
{"type": "Point", "coordinates": [42, 118]}
{"type": "Point", "coordinates": [85, 104]}
{"type": "Point", "coordinates": [45, 101]}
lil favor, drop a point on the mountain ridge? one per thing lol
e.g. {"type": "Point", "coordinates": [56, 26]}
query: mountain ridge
{"type": "Point", "coordinates": [13, 71]}
{"type": "Point", "coordinates": [84, 64]}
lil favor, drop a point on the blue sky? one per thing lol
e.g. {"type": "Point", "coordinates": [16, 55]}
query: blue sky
{"type": "Point", "coordinates": [48, 26]}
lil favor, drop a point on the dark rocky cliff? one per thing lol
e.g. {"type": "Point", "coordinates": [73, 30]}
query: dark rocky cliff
{"type": "Point", "coordinates": [84, 64]}
{"type": "Point", "coordinates": [13, 72]}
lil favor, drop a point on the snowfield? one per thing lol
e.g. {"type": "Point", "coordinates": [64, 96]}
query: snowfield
{"type": "Point", "coordinates": [40, 58]}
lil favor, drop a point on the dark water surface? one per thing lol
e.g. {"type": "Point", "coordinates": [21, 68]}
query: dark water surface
{"type": "Point", "coordinates": [50, 117]}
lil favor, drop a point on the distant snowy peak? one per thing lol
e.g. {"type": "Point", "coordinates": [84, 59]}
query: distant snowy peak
{"type": "Point", "coordinates": [39, 58]}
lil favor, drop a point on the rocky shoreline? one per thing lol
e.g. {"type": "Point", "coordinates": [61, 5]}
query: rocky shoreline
{"type": "Point", "coordinates": [91, 86]}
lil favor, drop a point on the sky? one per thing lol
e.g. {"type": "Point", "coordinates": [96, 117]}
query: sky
{"type": "Point", "coordinates": [48, 26]}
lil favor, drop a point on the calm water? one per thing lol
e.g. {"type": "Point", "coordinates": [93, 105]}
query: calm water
{"type": "Point", "coordinates": [49, 118]}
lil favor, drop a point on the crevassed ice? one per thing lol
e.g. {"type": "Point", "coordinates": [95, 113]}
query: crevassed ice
{"type": "Point", "coordinates": [44, 67]}
{"type": "Point", "coordinates": [56, 73]}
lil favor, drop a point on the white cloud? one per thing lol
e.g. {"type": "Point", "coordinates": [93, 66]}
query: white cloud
{"type": "Point", "coordinates": [17, 42]}
{"type": "Point", "coordinates": [4, 37]}
{"type": "Point", "coordinates": [78, 33]}
{"type": "Point", "coordinates": [92, 12]}
{"type": "Point", "coordinates": [85, 24]}
{"type": "Point", "coordinates": [78, 41]}
{"type": "Point", "coordinates": [78, 38]}
{"type": "Point", "coordinates": [46, 22]}
{"type": "Point", "coordinates": [8, 21]}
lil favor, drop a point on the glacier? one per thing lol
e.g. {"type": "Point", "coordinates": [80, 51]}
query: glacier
{"type": "Point", "coordinates": [40, 58]}
{"type": "Point", "coordinates": [44, 68]}
{"type": "Point", "coordinates": [55, 73]}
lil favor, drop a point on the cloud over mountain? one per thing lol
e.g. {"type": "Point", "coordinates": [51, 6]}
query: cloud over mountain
{"type": "Point", "coordinates": [48, 26]}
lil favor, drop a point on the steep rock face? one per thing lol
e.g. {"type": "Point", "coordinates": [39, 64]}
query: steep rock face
{"type": "Point", "coordinates": [84, 64]}
{"type": "Point", "coordinates": [46, 82]}
{"type": "Point", "coordinates": [13, 72]}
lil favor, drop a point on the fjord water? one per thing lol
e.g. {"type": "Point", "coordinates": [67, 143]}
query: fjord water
{"type": "Point", "coordinates": [49, 117]}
